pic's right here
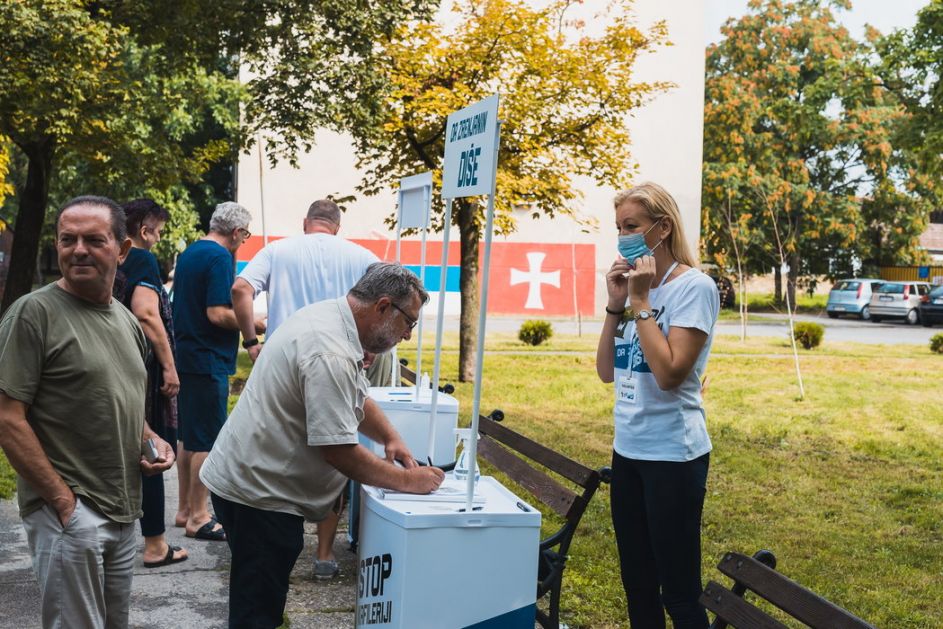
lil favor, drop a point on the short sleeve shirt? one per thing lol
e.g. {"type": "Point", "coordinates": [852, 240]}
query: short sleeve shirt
{"type": "Point", "coordinates": [652, 424]}
{"type": "Point", "coordinates": [203, 277]}
{"type": "Point", "coordinates": [306, 390]}
{"type": "Point", "coordinates": [79, 367]}
{"type": "Point", "coordinates": [304, 270]}
{"type": "Point", "coordinates": [140, 268]}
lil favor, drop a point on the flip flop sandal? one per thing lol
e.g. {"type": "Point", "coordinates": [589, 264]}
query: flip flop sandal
{"type": "Point", "coordinates": [168, 558]}
{"type": "Point", "coordinates": [207, 533]}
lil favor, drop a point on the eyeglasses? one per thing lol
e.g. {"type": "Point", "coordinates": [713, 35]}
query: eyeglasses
{"type": "Point", "coordinates": [409, 320]}
{"type": "Point", "coordinates": [247, 234]}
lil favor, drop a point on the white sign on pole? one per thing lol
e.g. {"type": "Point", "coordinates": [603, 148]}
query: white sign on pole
{"type": "Point", "coordinates": [469, 164]}
{"type": "Point", "coordinates": [415, 195]}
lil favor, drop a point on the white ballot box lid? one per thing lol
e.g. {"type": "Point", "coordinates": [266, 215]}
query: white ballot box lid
{"type": "Point", "coordinates": [404, 398]}
{"type": "Point", "coordinates": [493, 506]}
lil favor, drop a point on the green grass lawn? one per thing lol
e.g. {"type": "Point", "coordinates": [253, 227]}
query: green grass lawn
{"type": "Point", "coordinates": [845, 487]}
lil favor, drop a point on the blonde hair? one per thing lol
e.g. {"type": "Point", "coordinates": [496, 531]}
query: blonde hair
{"type": "Point", "coordinates": [660, 205]}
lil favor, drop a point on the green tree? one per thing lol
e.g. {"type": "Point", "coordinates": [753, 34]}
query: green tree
{"type": "Point", "coordinates": [799, 130]}
{"type": "Point", "coordinates": [912, 67]}
{"type": "Point", "coordinates": [913, 62]}
{"type": "Point", "coordinates": [119, 93]}
{"type": "Point", "coordinates": [565, 96]}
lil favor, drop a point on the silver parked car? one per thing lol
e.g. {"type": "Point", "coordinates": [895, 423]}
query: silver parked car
{"type": "Point", "coordinates": [898, 300]}
{"type": "Point", "coordinates": [852, 296]}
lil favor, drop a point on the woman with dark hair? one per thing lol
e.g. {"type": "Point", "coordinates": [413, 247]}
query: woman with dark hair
{"type": "Point", "coordinates": [142, 292]}
{"type": "Point", "coordinates": [654, 346]}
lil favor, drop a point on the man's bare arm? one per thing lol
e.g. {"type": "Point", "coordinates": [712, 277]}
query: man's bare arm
{"type": "Point", "coordinates": [28, 458]}
{"type": "Point", "coordinates": [356, 462]}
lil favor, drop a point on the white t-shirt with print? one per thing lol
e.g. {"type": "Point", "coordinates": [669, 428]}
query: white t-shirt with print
{"type": "Point", "coordinates": [656, 425]}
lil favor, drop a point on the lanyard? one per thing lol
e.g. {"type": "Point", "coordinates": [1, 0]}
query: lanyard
{"type": "Point", "coordinates": [667, 273]}
{"type": "Point", "coordinates": [634, 343]}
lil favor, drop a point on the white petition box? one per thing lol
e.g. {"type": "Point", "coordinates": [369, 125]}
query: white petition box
{"type": "Point", "coordinates": [410, 416]}
{"type": "Point", "coordinates": [424, 564]}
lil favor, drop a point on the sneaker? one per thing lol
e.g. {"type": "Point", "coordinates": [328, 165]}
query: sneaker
{"type": "Point", "coordinates": [324, 570]}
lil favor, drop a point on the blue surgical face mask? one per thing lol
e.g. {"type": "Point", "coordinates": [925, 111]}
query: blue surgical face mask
{"type": "Point", "coordinates": [632, 246]}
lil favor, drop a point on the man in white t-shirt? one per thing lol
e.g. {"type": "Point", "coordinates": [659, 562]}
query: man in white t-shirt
{"type": "Point", "coordinates": [297, 272]}
{"type": "Point", "coordinates": [300, 270]}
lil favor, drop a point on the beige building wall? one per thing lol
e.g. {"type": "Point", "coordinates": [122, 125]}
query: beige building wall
{"type": "Point", "coordinates": [666, 143]}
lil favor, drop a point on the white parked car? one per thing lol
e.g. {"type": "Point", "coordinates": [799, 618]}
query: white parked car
{"type": "Point", "coordinates": [898, 300]}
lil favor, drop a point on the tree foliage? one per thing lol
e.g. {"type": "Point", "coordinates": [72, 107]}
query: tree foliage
{"type": "Point", "coordinates": [799, 129]}
{"type": "Point", "coordinates": [306, 64]}
{"type": "Point", "coordinates": [135, 97]}
{"type": "Point", "coordinates": [565, 97]}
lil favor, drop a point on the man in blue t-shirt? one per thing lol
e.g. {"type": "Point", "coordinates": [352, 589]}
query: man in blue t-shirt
{"type": "Point", "coordinates": [207, 341]}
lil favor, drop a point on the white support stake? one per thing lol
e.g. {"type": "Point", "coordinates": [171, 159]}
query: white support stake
{"type": "Point", "coordinates": [482, 318]}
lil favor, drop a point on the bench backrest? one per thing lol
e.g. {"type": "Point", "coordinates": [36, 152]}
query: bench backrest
{"type": "Point", "coordinates": [499, 445]}
{"type": "Point", "coordinates": [793, 599]}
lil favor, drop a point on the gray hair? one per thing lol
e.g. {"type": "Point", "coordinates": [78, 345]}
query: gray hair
{"type": "Point", "coordinates": [229, 216]}
{"type": "Point", "coordinates": [324, 210]}
{"type": "Point", "coordinates": [388, 279]}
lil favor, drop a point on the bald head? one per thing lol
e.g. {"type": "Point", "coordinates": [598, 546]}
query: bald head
{"type": "Point", "coordinates": [323, 216]}
{"type": "Point", "coordinates": [324, 210]}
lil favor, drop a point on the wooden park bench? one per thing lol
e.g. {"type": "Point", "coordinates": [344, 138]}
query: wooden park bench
{"type": "Point", "coordinates": [758, 575]}
{"type": "Point", "coordinates": [506, 450]}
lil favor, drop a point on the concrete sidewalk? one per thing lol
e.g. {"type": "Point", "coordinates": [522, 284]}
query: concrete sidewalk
{"type": "Point", "coordinates": [192, 593]}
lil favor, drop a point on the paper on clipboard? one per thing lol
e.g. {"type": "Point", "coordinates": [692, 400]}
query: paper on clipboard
{"type": "Point", "coordinates": [450, 490]}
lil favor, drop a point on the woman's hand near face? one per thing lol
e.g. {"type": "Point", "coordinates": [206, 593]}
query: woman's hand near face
{"type": "Point", "coordinates": [640, 281]}
{"type": "Point", "coordinates": [617, 285]}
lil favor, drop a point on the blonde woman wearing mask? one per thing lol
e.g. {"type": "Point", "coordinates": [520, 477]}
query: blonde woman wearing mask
{"type": "Point", "coordinates": [654, 347]}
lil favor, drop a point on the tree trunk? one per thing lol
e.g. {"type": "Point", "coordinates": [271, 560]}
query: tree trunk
{"type": "Point", "coordinates": [793, 278]}
{"type": "Point", "coordinates": [29, 221]}
{"type": "Point", "coordinates": [469, 231]}
{"type": "Point", "coordinates": [778, 285]}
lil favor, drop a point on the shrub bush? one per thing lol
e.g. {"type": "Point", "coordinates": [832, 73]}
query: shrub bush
{"type": "Point", "coordinates": [936, 343]}
{"type": "Point", "coordinates": [535, 331]}
{"type": "Point", "coordinates": [808, 334]}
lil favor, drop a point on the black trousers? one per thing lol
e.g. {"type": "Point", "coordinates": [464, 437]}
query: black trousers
{"type": "Point", "coordinates": [656, 513]}
{"type": "Point", "coordinates": [152, 492]}
{"type": "Point", "coordinates": [264, 547]}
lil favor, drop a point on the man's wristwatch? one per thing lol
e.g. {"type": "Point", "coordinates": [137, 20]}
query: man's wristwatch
{"type": "Point", "coordinates": [251, 343]}
{"type": "Point", "coordinates": [642, 315]}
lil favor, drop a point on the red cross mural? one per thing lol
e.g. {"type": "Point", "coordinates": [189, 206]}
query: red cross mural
{"type": "Point", "coordinates": [534, 278]}
{"type": "Point", "coordinates": [527, 278]}
{"type": "Point", "coordinates": [542, 279]}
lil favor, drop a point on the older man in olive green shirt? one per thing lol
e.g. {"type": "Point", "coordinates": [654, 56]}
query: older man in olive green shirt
{"type": "Point", "coordinates": [72, 388]}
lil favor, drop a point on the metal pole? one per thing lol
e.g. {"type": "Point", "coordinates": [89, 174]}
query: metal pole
{"type": "Point", "coordinates": [394, 364]}
{"type": "Point", "coordinates": [440, 317]}
{"type": "Point", "coordinates": [258, 141]}
{"type": "Point", "coordinates": [482, 318]}
{"type": "Point", "coordinates": [422, 280]}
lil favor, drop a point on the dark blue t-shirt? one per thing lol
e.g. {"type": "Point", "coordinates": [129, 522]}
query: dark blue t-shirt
{"type": "Point", "coordinates": [140, 267]}
{"type": "Point", "coordinates": [203, 277]}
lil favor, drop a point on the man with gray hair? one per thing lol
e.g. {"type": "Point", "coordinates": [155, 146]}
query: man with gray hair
{"type": "Point", "coordinates": [297, 422]}
{"type": "Point", "coordinates": [207, 341]}
{"type": "Point", "coordinates": [297, 272]}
